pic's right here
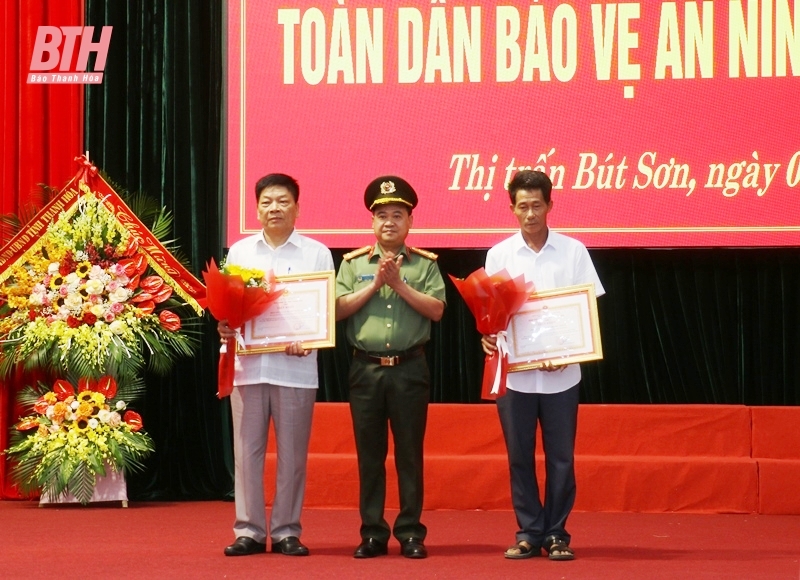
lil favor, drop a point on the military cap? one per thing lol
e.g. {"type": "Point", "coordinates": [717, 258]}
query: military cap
{"type": "Point", "coordinates": [389, 189]}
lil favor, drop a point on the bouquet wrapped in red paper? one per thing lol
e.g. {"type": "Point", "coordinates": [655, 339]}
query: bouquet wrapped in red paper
{"type": "Point", "coordinates": [493, 300]}
{"type": "Point", "coordinates": [237, 295]}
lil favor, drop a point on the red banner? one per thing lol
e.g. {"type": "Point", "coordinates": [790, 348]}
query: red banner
{"type": "Point", "coordinates": [660, 123]}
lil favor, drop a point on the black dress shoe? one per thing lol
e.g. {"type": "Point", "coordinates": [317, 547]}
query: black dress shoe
{"type": "Point", "coordinates": [244, 546]}
{"type": "Point", "coordinates": [290, 546]}
{"type": "Point", "coordinates": [370, 548]}
{"type": "Point", "coordinates": [413, 548]}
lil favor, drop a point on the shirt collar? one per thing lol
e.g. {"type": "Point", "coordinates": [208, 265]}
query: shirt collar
{"type": "Point", "coordinates": [294, 238]}
{"type": "Point", "coordinates": [519, 242]}
{"type": "Point", "coordinates": [377, 251]}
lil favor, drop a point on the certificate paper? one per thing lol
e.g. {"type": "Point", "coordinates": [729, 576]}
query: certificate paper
{"type": "Point", "coordinates": [559, 326]}
{"type": "Point", "coordinates": [304, 313]}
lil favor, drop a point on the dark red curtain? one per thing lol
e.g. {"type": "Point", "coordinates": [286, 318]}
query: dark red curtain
{"type": "Point", "coordinates": [42, 133]}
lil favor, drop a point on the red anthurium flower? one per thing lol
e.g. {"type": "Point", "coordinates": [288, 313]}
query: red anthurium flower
{"type": "Point", "coordinates": [162, 294]}
{"type": "Point", "coordinates": [41, 406]}
{"type": "Point", "coordinates": [28, 424]}
{"type": "Point", "coordinates": [107, 386]}
{"type": "Point", "coordinates": [132, 247]}
{"type": "Point", "coordinates": [147, 307]}
{"type": "Point", "coordinates": [169, 320]}
{"type": "Point", "coordinates": [141, 297]}
{"type": "Point", "coordinates": [152, 284]}
{"type": "Point", "coordinates": [133, 282]}
{"type": "Point", "coordinates": [141, 263]}
{"type": "Point", "coordinates": [133, 419]}
{"type": "Point", "coordinates": [63, 389]}
{"type": "Point", "coordinates": [128, 266]}
{"type": "Point", "coordinates": [86, 384]}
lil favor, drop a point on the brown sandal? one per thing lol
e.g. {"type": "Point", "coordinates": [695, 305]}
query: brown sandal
{"type": "Point", "coordinates": [523, 550]}
{"type": "Point", "coordinates": [558, 549]}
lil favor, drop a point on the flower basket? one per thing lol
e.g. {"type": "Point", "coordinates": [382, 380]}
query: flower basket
{"type": "Point", "coordinates": [82, 301]}
{"type": "Point", "coordinates": [108, 488]}
{"type": "Point", "coordinates": [91, 296]}
{"type": "Point", "coordinates": [75, 438]}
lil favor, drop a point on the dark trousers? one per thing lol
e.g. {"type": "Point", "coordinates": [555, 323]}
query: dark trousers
{"type": "Point", "coordinates": [558, 416]}
{"type": "Point", "coordinates": [396, 397]}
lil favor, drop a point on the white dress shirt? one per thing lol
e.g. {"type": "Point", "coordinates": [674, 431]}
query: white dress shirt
{"type": "Point", "coordinates": [562, 261]}
{"type": "Point", "coordinates": [298, 255]}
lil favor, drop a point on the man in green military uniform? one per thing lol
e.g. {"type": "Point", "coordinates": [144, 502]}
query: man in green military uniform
{"type": "Point", "coordinates": [389, 293]}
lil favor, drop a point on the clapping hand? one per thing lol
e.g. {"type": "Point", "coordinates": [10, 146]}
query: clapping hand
{"type": "Point", "coordinates": [389, 269]}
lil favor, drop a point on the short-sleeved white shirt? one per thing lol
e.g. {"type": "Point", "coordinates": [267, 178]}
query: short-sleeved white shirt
{"type": "Point", "coordinates": [298, 255]}
{"type": "Point", "coordinates": [562, 262]}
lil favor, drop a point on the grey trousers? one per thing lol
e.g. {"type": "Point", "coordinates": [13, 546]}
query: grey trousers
{"type": "Point", "coordinates": [291, 410]}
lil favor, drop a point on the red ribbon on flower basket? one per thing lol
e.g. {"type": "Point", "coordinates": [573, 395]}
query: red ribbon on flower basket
{"type": "Point", "coordinates": [493, 300]}
{"type": "Point", "coordinates": [229, 298]}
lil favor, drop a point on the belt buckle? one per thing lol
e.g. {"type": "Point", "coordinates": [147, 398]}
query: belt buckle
{"type": "Point", "coordinates": [389, 361]}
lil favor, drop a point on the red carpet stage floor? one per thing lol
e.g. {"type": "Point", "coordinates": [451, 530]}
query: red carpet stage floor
{"type": "Point", "coordinates": [186, 539]}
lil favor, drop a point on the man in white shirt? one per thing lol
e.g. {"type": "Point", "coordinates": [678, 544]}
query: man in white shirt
{"type": "Point", "coordinates": [281, 386]}
{"type": "Point", "coordinates": [550, 395]}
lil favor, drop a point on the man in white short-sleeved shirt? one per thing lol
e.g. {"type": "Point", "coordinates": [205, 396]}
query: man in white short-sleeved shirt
{"type": "Point", "coordinates": [281, 386]}
{"type": "Point", "coordinates": [548, 396]}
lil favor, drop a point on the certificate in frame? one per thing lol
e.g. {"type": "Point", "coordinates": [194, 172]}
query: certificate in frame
{"type": "Point", "coordinates": [305, 312]}
{"type": "Point", "coordinates": [558, 326]}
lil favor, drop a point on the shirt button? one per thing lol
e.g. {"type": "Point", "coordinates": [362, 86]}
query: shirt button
{"type": "Point", "coordinates": [388, 306]}
{"type": "Point", "coordinates": [388, 345]}
{"type": "Point", "coordinates": [389, 325]}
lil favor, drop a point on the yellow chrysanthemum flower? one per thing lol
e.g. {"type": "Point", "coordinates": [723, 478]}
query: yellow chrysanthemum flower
{"type": "Point", "coordinates": [18, 302]}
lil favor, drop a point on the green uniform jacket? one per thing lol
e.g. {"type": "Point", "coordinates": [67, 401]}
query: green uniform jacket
{"type": "Point", "coordinates": [387, 324]}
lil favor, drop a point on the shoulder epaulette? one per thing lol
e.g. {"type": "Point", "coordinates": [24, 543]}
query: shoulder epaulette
{"type": "Point", "coordinates": [424, 253]}
{"type": "Point", "coordinates": [355, 253]}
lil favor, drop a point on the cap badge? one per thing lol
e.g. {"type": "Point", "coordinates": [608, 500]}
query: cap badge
{"type": "Point", "coordinates": [387, 187]}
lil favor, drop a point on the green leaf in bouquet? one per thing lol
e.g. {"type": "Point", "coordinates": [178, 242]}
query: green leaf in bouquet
{"type": "Point", "coordinates": [67, 467]}
{"type": "Point", "coordinates": [82, 483]}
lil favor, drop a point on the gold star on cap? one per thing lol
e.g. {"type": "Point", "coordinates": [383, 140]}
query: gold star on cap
{"type": "Point", "coordinates": [389, 189]}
